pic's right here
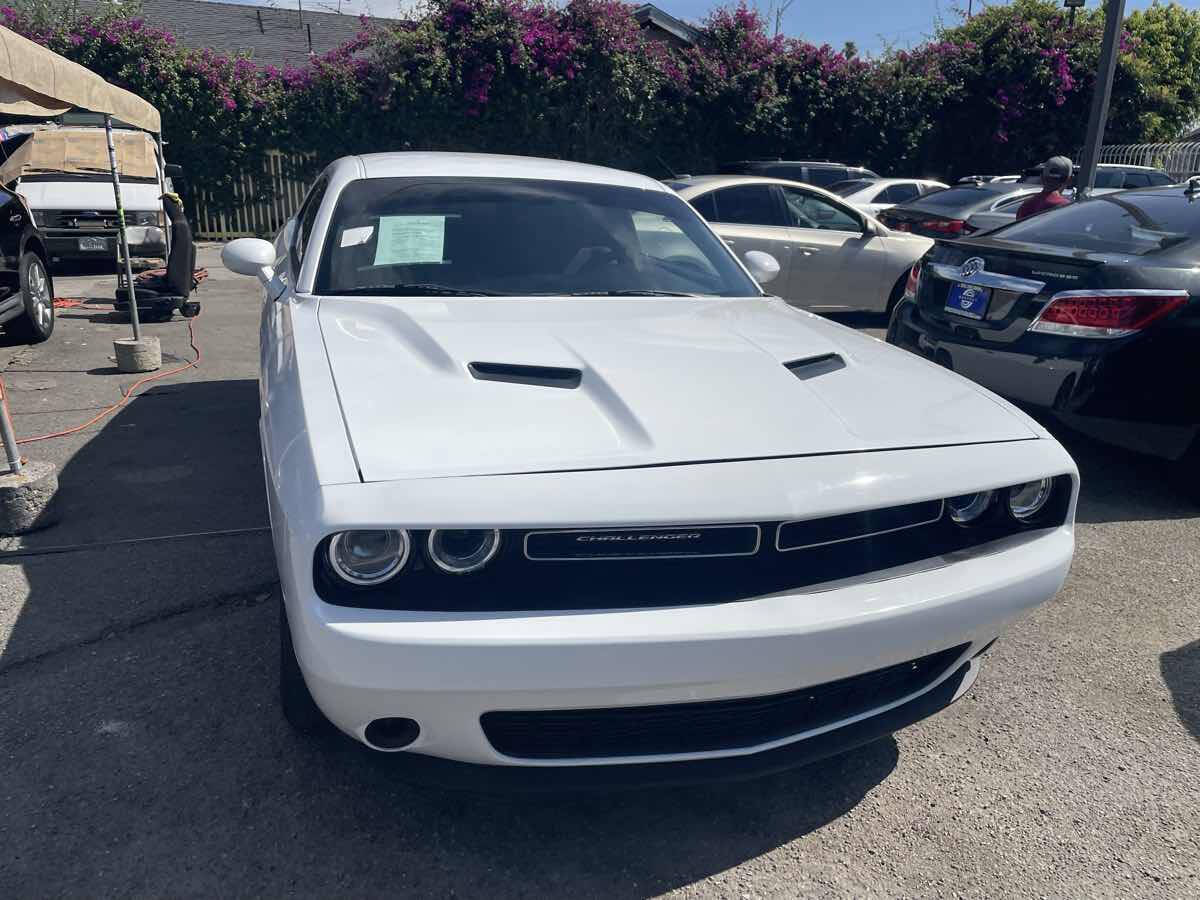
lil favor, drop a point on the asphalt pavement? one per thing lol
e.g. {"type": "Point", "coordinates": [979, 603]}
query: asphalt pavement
{"type": "Point", "coordinates": [142, 752]}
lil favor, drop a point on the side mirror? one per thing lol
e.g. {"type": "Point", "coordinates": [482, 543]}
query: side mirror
{"type": "Point", "coordinates": [173, 170]}
{"type": "Point", "coordinates": [250, 256]}
{"type": "Point", "coordinates": [763, 266]}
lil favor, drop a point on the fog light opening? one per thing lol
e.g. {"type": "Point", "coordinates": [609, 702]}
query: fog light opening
{"type": "Point", "coordinates": [391, 733]}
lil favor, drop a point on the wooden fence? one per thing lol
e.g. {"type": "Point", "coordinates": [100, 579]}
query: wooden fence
{"type": "Point", "coordinates": [260, 204]}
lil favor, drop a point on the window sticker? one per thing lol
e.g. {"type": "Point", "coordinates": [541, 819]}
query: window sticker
{"type": "Point", "coordinates": [404, 240]}
{"type": "Point", "coordinates": [353, 237]}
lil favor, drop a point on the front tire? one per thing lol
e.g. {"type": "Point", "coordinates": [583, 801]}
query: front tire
{"type": "Point", "coordinates": [35, 324]}
{"type": "Point", "coordinates": [299, 708]}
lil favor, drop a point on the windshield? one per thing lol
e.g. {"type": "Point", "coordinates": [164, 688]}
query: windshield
{"type": "Point", "coordinates": [846, 188]}
{"type": "Point", "coordinates": [517, 237]}
{"type": "Point", "coordinates": [964, 197]}
{"type": "Point", "coordinates": [1134, 223]}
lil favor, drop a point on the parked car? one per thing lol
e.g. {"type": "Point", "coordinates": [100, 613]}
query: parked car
{"type": "Point", "coordinates": [557, 493]}
{"type": "Point", "coordinates": [988, 179]}
{"type": "Point", "coordinates": [831, 256]}
{"type": "Point", "coordinates": [26, 288]}
{"type": "Point", "coordinates": [63, 174]}
{"type": "Point", "coordinates": [948, 213]}
{"type": "Point", "coordinates": [873, 196]}
{"type": "Point", "coordinates": [817, 172]}
{"type": "Point", "coordinates": [1091, 311]}
{"type": "Point", "coordinates": [1111, 176]}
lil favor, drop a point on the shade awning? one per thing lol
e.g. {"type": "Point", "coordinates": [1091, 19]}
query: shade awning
{"type": "Point", "coordinates": [35, 81]}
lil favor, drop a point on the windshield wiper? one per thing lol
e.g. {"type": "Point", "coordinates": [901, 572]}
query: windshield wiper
{"type": "Point", "coordinates": [629, 293]}
{"type": "Point", "coordinates": [415, 289]}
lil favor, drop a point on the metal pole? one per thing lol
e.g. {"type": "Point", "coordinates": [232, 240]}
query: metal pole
{"type": "Point", "coordinates": [1114, 19]}
{"type": "Point", "coordinates": [10, 438]}
{"type": "Point", "coordinates": [162, 189]}
{"type": "Point", "coordinates": [122, 238]}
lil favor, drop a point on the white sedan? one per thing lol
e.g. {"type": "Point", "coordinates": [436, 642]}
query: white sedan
{"type": "Point", "coordinates": [558, 494]}
{"type": "Point", "coordinates": [874, 195]}
{"type": "Point", "coordinates": [832, 257]}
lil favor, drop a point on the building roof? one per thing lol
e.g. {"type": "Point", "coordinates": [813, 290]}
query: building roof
{"type": "Point", "coordinates": [269, 36]}
{"type": "Point", "coordinates": [663, 23]}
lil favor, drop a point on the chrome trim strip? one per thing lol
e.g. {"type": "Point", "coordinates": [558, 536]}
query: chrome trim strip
{"type": "Point", "coordinates": [988, 279]}
{"type": "Point", "coordinates": [857, 537]}
{"type": "Point", "coordinates": [737, 525]}
{"type": "Point", "coordinates": [1089, 331]}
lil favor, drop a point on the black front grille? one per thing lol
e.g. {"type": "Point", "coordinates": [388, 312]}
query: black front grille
{"type": "Point", "coordinates": [689, 565]}
{"type": "Point", "coordinates": [707, 726]}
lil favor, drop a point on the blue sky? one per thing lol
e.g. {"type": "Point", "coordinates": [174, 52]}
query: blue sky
{"type": "Point", "coordinates": [871, 24]}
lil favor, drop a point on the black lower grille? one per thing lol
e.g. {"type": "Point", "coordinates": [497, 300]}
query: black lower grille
{"type": "Point", "coordinates": [710, 725]}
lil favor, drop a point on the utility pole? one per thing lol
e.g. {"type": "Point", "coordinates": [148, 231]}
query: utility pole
{"type": "Point", "coordinates": [1113, 23]}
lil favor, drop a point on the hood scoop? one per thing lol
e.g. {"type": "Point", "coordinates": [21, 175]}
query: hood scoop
{"type": "Point", "coordinates": [813, 366]}
{"type": "Point", "coordinates": [541, 376]}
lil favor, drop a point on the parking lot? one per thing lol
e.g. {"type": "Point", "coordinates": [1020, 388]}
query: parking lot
{"type": "Point", "coordinates": [144, 754]}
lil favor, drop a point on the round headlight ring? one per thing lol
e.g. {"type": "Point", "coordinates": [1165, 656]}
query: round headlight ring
{"type": "Point", "coordinates": [969, 508]}
{"type": "Point", "coordinates": [460, 551]}
{"type": "Point", "coordinates": [368, 557]}
{"type": "Point", "coordinates": [1027, 501]}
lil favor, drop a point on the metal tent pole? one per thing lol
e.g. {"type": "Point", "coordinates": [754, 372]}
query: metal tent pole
{"type": "Point", "coordinates": [1114, 20]}
{"type": "Point", "coordinates": [121, 235]}
{"type": "Point", "coordinates": [10, 438]}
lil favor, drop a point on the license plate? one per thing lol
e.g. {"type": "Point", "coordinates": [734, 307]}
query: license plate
{"type": "Point", "coordinates": [93, 243]}
{"type": "Point", "coordinates": [968, 300]}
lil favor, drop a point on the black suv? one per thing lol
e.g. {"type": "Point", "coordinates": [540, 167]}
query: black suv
{"type": "Point", "coordinates": [821, 173]}
{"type": "Point", "coordinates": [26, 290]}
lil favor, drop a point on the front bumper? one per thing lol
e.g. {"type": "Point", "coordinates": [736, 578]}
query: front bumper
{"type": "Point", "coordinates": [446, 670]}
{"type": "Point", "coordinates": [1135, 392]}
{"type": "Point", "coordinates": [144, 241]}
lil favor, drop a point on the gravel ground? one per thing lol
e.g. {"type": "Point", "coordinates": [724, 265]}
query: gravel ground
{"type": "Point", "coordinates": [142, 751]}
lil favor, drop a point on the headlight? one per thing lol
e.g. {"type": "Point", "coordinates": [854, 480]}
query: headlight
{"type": "Point", "coordinates": [969, 507]}
{"type": "Point", "coordinates": [368, 557]}
{"type": "Point", "coordinates": [459, 551]}
{"type": "Point", "coordinates": [147, 217]}
{"type": "Point", "coordinates": [1025, 501]}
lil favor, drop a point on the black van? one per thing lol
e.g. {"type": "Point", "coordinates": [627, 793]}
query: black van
{"type": "Point", "coordinates": [820, 172]}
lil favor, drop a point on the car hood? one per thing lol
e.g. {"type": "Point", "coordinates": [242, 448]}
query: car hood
{"type": "Point", "coordinates": [633, 382]}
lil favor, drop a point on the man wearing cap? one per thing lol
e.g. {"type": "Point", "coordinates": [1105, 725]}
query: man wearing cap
{"type": "Point", "coordinates": [1055, 175]}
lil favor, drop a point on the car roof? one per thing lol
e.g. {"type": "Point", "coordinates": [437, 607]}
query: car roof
{"type": "Point", "coordinates": [486, 165]}
{"type": "Point", "coordinates": [696, 184]}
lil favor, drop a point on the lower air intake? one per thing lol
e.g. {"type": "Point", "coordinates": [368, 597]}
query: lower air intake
{"type": "Point", "coordinates": [707, 726]}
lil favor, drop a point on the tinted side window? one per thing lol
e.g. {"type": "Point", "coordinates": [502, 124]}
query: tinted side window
{"type": "Point", "coordinates": [810, 211]}
{"type": "Point", "coordinates": [1158, 179]}
{"type": "Point", "coordinates": [900, 193]}
{"type": "Point", "coordinates": [826, 175]}
{"type": "Point", "coordinates": [746, 204]}
{"type": "Point", "coordinates": [706, 205]}
{"type": "Point", "coordinates": [1137, 179]}
{"type": "Point", "coordinates": [305, 219]}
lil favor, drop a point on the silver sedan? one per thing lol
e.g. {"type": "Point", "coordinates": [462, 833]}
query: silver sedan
{"type": "Point", "coordinates": [831, 256]}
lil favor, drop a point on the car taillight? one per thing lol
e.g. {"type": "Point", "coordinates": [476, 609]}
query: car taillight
{"type": "Point", "coordinates": [1105, 314]}
{"type": "Point", "coordinates": [947, 226]}
{"type": "Point", "coordinates": [914, 281]}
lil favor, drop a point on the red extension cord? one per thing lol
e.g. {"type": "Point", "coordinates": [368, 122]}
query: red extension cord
{"type": "Point", "coordinates": [125, 395]}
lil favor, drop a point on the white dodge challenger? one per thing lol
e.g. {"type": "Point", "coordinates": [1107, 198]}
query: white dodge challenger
{"type": "Point", "coordinates": [557, 491]}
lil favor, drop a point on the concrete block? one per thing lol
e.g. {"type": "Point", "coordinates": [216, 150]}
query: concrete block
{"type": "Point", "coordinates": [27, 498]}
{"type": "Point", "coordinates": [138, 356]}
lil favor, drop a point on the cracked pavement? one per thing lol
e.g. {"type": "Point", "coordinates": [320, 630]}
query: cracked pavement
{"type": "Point", "coordinates": [143, 752]}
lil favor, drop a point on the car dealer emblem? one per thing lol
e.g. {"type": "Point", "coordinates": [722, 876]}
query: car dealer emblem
{"type": "Point", "coordinates": [972, 266]}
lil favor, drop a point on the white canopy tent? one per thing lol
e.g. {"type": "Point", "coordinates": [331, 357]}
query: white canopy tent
{"type": "Point", "coordinates": [37, 82]}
